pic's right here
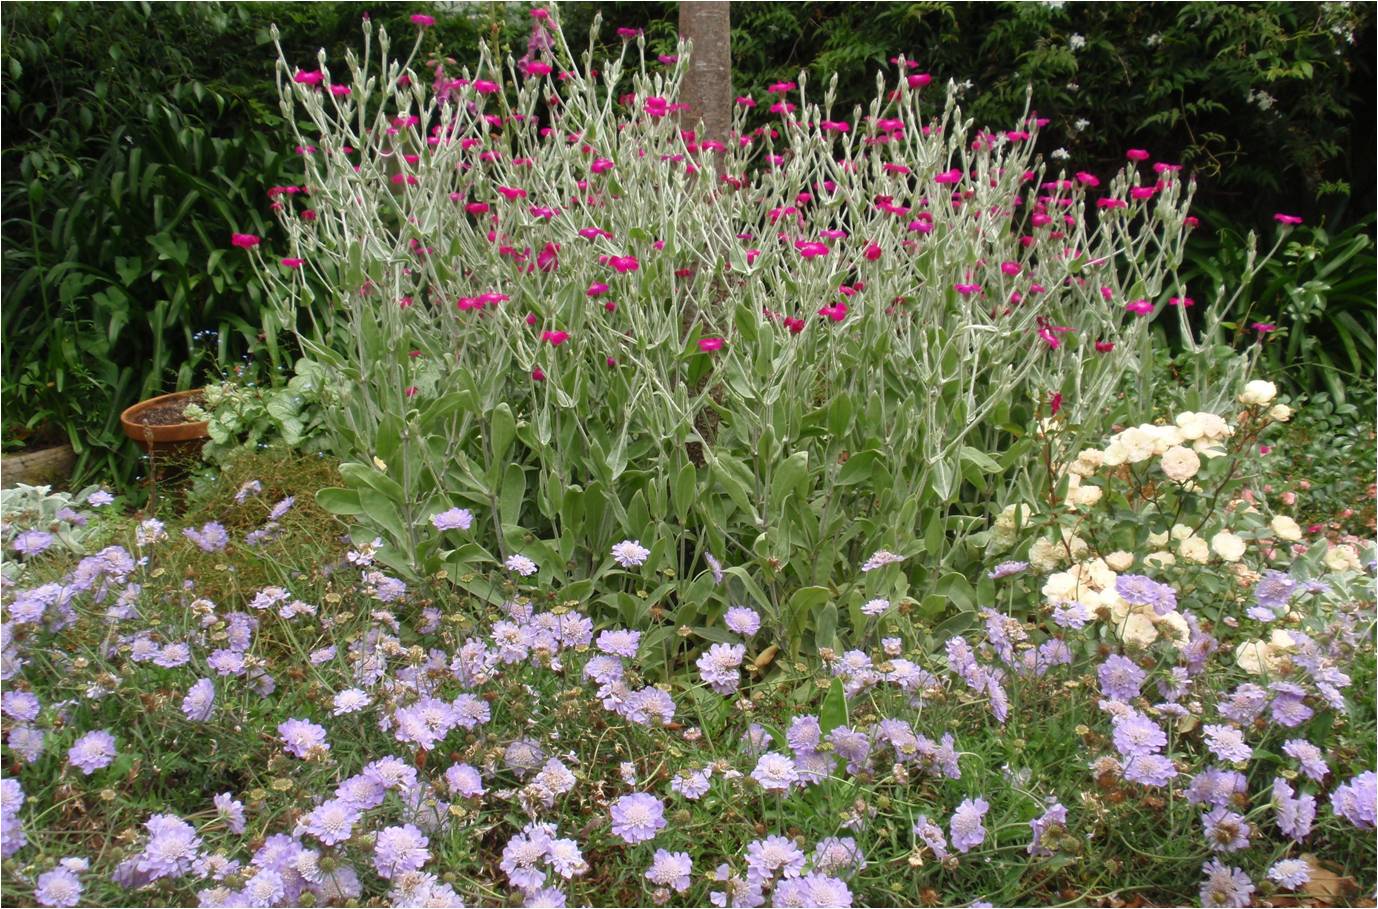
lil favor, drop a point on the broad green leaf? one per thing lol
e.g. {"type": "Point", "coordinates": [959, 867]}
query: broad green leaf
{"type": "Point", "coordinates": [833, 712]}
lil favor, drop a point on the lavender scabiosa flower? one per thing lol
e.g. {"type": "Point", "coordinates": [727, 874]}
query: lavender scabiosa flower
{"type": "Point", "coordinates": [775, 772]}
{"type": "Point", "coordinates": [1357, 800]}
{"type": "Point", "coordinates": [1225, 885]}
{"type": "Point", "coordinates": [27, 741]}
{"type": "Point", "coordinates": [1244, 704]}
{"type": "Point", "coordinates": [1007, 569]}
{"type": "Point", "coordinates": [32, 542]}
{"type": "Point", "coordinates": [1288, 708]}
{"type": "Point", "coordinates": [99, 498]}
{"type": "Point", "coordinates": [619, 642]}
{"type": "Point", "coordinates": [200, 701]}
{"type": "Point", "coordinates": [743, 621]}
{"type": "Point", "coordinates": [92, 751]}
{"type": "Point", "coordinates": [1149, 769]}
{"type": "Point", "coordinates": [719, 666]}
{"type": "Point", "coordinates": [1138, 590]}
{"type": "Point", "coordinates": [303, 738]}
{"type": "Point", "coordinates": [331, 822]}
{"type": "Point", "coordinates": [671, 869]}
{"type": "Point", "coordinates": [637, 817]}
{"type": "Point", "coordinates": [692, 784]}
{"type": "Point", "coordinates": [453, 519]}
{"type": "Point", "coordinates": [1226, 831]}
{"type": "Point", "coordinates": [12, 837]}
{"type": "Point", "coordinates": [715, 567]}
{"type": "Point", "coordinates": [464, 780]}
{"type": "Point", "coordinates": [774, 854]}
{"type": "Point", "coordinates": [932, 836]}
{"type": "Point", "coordinates": [59, 887]}
{"type": "Point", "coordinates": [1311, 759]}
{"type": "Point", "coordinates": [520, 564]}
{"type": "Point", "coordinates": [1136, 734]}
{"type": "Point", "coordinates": [1073, 615]}
{"type": "Point", "coordinates": [1054, 817]}
{"type": "Point", "coordinates": [965, 826]}
{"type": "Point", "coordinates": [351, 700]}
{"type": "Point", "coordinates": [876, 607]}
{"type": "Point", "coordinates": [212, 536]}
{"type": "Point", "coordinates": [838, 854]}
{"type": "Point", "coordinates": [1289, 874]}
{"type": "Point", "coordinates": [400, 849]}
{"type": "Point", "coordinates": [630, 553]}
{"type": "Point", "coordinates": [879, 559]}
{"type": "Point", "coordinates": [231, 811]}
{"type": "Point", "coordinates": [1227, 743]}
{"type": "Point", "coordinates": [1120, 678]}
{"type": "Point", "coordinates": [1294, 814]}
{"type": "Point", "coordinates": [172, 848]}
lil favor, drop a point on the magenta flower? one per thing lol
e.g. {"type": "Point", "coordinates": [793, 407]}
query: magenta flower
{"type": "Point", "coordinates": [422, 20]}
{"type": "Point", "coordinates": [1286, 220]}
{"type": "Point", "coordinates": [244, 241]}
{"type": "Point", "coordinates": [1137, 154]}
{"type": "Point", "coordinates": [708, 345]}
{"type": "Point", "coordinates": [1139, 307]}
{"type": "Point", "coordinates": [293, 262]}
{"type": "Point", "coordinates": [555, 338]}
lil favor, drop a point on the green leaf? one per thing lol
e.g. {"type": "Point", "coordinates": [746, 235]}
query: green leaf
{"type": "Point", "coordinates": [513, 490]}
{"type": "Point", "coordinates": [339, 501]}
{"type": "Point", "coordinates": [502, 430]}
{"type": "Point", "coordinates": [833, 712]}
{"type": "Point", "coordinates": [682, 494]}
{"type": "Point", "coordinates": [789, 476]}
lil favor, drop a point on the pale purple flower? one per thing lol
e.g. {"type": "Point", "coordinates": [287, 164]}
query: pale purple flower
{"type": "Point", "coordinates": [1225, 885]}
{"type": "Point", "coordinates": [200, 701]}
{"type": "Point", "coordinates": [834, 854]}
{"type": "Point", "coordinates": [265, 888]}
{"type": "Point", "coordinates": [671, 869]}
{"type": "Point", "coordinates": [1357, 800]}
{"type": "Point", "coordinates": [351, 700]}
{"type": "Point", "coordinates": [742, 620]}
{"type": "Point", "coordinates": [1226, 831]}
{"type": "Point", "coordinates": [1227, 743]}
{"type": "Point", "coordinates": [1138, 590]}
{"type": "Point", "coordinates": [172, 848]}
{"type": "Point", "coordinates": [1136, 734]}
{"type": "Point", "coordinates": [565, 858]}
{"type": "Point", "coordinates": [454, 519]}
{"type": "Point", "coordinates": [250, 488]}
{"type": "Point", "coordinates": [1295, 814]}
{"type": "Point", "coordinates": [547, 897]}
{"type": "Point", "coordinates": [464, 780]}
{"type": "Point", "coordinates": [875, 607]}
{"type": "Point", "coordinates": [630, 553]}
{"type": "Point", "coordinates": [1244, 704]}
{"type": "Point", "coordinates": [1311, 759]}
{"type": "Point", "coordinates": [774, 854]}
{"type": "Point", "coordinates": [1289, 874]}
{"type": "Point", "coordinates": [59, 887]}
{"type": "Point", "coordinates": [302, 738]}
{"type": "Point", "coordinates": [1216, 787]}
{"type": "Point", "coordinates": [879, 559]}
{"type": "Point", "coordinates": [231, 811]}
{"type": "Point", "coordinates": [1054, 817]}
{"type": "Point", "coordinates": [1149, 769]}
{"type": "Point", "coordinates": [32, 542]}
{"type": "Point", "coordinates": [965, 825]}
{"type": "Point", "coordinates": [775, 772]}
{"type": "Point", "coordinates": [27, 742]}
{"type": "Point", "coordinates": [331, 821]}
{"type": "Point", "coordinates": [170, 656]}
{"type": "Point", "coordinates": [521, 565]}
{"type": "Point", "coordinates": [99, 497]}
{"type": "Point", "coordinates": [714, 566]}
{"type": "Point", "coordinates": [692, 784]}
{"type": "Point", "coordinates": [281, 508]}
{"type": "Point", "coordinates": [212, 536]}
{"type": "Point", "coordinates": [637, 817]}
{"type": "Point", "coordinates": [932, 836]}
{"type": "Point", "coordinates": [1072, 615]}
{"type": "Point", "coordinates": [1007, 569]}
{"type": "Point", "coordinates": [719, 666]}
{"type": "Point", "coordinates": [1120, 678]}
{"type": "Point", "coordinates": [400, 849]}
{"type": "Point", "coordinates": [619, 642]}
{"type": "Point", "coordinates": [22, 706]}
{"type": "Point", "coordinates": [92, 751]}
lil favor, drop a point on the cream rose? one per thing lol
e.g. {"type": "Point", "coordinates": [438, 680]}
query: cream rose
{"type": "Point", "coordinates": [1180, 464]}
{"type": "Point", "coordinates": [1342, 558]}
{"type": "Point", "coordinates": [1280, 413]}
{"type": "Point", "coordinates": [1120, 560]}
{"type": "Point", "coordinates": [1195, 549]}
{"type": "Point", "coordinates": [1258, 392]}
{"type": "Point", "coordinates": [1228, 546]}
{"type": "Point", "coordinates": [1285, 528]}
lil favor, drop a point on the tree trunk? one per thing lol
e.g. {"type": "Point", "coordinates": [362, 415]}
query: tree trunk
{"type": "Point", "coordinates": [707, 87]}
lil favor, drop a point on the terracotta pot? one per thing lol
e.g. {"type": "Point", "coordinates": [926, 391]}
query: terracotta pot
{"type": "Point", "coordinates": [165, 436]}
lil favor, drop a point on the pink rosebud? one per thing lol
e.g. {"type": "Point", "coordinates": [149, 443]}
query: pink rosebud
{"type": "Point", "coordinates": [628, 32]}
{"type": "Point", "coordinates": [555, 338]}
{"type": "Point", "coordinates": [1055, 402]}
{"type": "Point", "coordinates": [707, 345]}
{"type": "Point", "coordinates": [949, 176]}
{"type": "Point", "coordinates": [967, 290]}
{"type": "Point", "coordinates": [1263, 328]}
{"type": "Point", "coordinates": [601, 165]}
{"type": "Point", "coordinates": [837, 312]}
{"type": "Point", "coordinates": [339, 90]}
{"type": "Point", "coordinates": [1264, 449]}
{"type": "Point", "coordinates": [610, 306]}
{"type": "Point", "coordinates": [293, 263]}
{"type": "Point", "coordinates": [422, 20]}
{"type": "Point", "coordinates": [611, 361]}
{"type": "Point", "coordinates": [486, 86]}
{"type": "Point", "coordinates": [624, 264]}
{"type": "Point", "coordinates": [244, 241]}
{"type": "Point", "coordinates": [746, 101]}
{"type": "Point", "coordinates": [536, 68]}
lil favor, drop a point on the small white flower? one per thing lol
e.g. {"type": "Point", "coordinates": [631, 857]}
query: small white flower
{"type": "Point", "coordinates": [630, 553]}
{"type": "Point", "coordinates": [521, 565]}
{"type": "Point", "coordinates": [1076, 42]}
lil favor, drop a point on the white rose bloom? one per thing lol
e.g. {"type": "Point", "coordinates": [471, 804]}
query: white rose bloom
{"type": "Point", "coordinates": [1180, 464]}
{"type": "Point", "coordinates": [1045, 555]}
{"type": "Point", "coordinates": [1285, 528]}
{"type": "Point", "coordinates": [1258, 392]}
{"type": "Point", "coordinates": [1216, 427]}
{"type": "Point", "coordinates": [1175, 629]}
{"type": "Point", "coordinates": [1138, 445]}
{"type": "Point", "coordinates": [1164, 437]}
{"type": "Point", "coordinates": [1181, 531]}
{"type": "Point", "coordinates": [1099, 574]}
{"type": "Point", "coordinates": [1085, 495]}
{"type": "Point", "coordinates": [1228, 546]}
{"type": "Point", "coordinates": [1120, 560]}
{"type": "Point", "coordinates": [1115, 454]}
{"type": "Point", "coordinates": [1282, 642]}
{"type": "Point", "coordinates": [1162, 558]}
{"type": "Point", "coordinates": [1280, 413]}
{"type": "Point", "coordinates": [1139, 630]}
{"type": "Point", "coordinates": [1157, 539]}
{"type": "Point", "coordinates": [1251, 656]}
{"type": "Point", "coordinates": [1087, 462]}
{"type": "Point", "coordinates": [1342, 558]}
{"type": "Point", "coordinates": [1195, 549]}
{"type": "Point", "coordinates": [1190, 425]}
{"type": "Point", "coordinates": [1060, 587]}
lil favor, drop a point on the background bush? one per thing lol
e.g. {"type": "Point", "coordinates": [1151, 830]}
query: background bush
{"type": "Point", "coordinates": [139, 136]}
